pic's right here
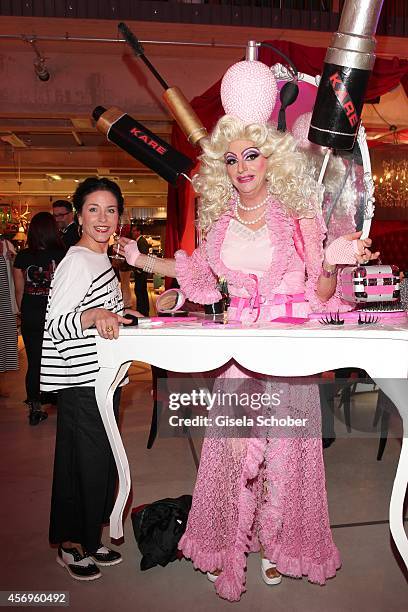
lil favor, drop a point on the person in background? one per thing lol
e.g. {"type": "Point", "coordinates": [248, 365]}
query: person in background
{"type": "Point", "coordinates": [84, 293]}
{"type": "Point", "coordinates": [33, 270]}
{"type": "Point", "coordinates": [141, 293]}
{"type": "Point", "coordinates": [64, 216]}
{"type": "Point", "coordinates": [8, 310]}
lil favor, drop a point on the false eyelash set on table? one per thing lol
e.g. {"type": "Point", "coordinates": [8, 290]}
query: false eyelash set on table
{"type": "Point", "coordinates": [374, 291]}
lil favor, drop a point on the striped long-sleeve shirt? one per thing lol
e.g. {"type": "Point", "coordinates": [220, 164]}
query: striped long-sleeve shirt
{"type": "Point", "coordinates": [83, 280]}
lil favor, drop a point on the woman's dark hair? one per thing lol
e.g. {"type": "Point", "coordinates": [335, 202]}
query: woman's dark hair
{"type": "Point", "coordinates": [93, 183]}
{"type": "Point", "coordinates": [43, 233]}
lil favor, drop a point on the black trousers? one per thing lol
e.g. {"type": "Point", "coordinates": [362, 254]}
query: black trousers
{"type": "Point", "coordinates": [142, 296]}
{"type": "Point", "coordinates": [83, 490]}
{"type": "Point", "coordinates": [32, 330]}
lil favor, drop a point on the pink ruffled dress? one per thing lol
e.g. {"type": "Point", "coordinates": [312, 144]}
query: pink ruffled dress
{"type": "Point", "coordinates": [251, 252]}
{"type": "Point", "coordinates": [262, 490]}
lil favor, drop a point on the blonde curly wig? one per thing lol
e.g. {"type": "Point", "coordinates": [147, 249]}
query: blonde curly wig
{"type": "Point", "coordinates": [289, 176]}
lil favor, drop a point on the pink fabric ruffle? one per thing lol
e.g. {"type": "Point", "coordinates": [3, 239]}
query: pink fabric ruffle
{"type": "Point", "coordinates": [214, 241]}
{"type": "Point", "coordinates": [195, 277]}
{"type": "Point", "coordinates": [304, 236]}
{"type": "Point", "coordinates": [313, 233]}
{"type": "Point", "coordinates": [231, 582]}
{"type": "Point", "coordinates": [281, 228]}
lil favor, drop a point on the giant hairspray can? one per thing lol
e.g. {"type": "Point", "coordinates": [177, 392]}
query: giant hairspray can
{"type": "Point", "coordinates": [348, 65]}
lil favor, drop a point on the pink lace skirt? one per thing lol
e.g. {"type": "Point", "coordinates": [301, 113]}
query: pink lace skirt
{"type": "Point", "coordinates": [233, 513]}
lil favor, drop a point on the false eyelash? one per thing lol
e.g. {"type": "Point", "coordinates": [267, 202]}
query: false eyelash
{"type": "Point", "coordinates": [229, 159]}
{"type": "Point", "coordinates": [333, 320]}
{"type": "Point", "coordinates": [367, 320]}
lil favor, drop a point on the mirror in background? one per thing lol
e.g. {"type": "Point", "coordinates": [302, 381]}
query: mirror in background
{"type": "Point", "coordinates": [345, 197]}
{"type": "Point", "coordinates": [348, 200]}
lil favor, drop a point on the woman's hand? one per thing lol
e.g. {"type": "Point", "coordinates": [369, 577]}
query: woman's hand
{"type": "Point", "coordinates": [350, 249]}
{"type": "Point", "coordinates": [105, 321]}
{"type": "Point", "coordinates": [128, 249]}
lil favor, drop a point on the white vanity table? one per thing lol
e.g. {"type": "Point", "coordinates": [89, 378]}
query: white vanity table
{"type": "Point", "coordinates": [272, 348]}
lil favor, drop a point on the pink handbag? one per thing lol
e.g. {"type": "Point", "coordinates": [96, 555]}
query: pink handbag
{"type": "Point", "coordinates": [373, 283]}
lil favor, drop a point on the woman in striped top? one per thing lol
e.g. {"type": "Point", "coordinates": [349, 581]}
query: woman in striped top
{"type": "Point", "coordinates": [84, 293]}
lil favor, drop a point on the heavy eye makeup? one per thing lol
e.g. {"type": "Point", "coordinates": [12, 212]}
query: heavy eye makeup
{"type": "Point", "coordinates": [250, 154]}
{"type": "Point", "coordinates": [230, 159]}
{"type": "Point", "coordinates": [247, 155]}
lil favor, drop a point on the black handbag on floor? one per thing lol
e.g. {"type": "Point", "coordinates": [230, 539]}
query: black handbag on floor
{"type": "Point", "coordinates": [158, 528]}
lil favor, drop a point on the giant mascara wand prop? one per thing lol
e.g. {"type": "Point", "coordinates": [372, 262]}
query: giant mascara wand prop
{"type": "Point", "coordinates": [173, 97]}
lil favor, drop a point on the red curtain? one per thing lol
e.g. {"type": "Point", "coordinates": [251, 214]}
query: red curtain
{"type": "Point", "coordinates": [386, 75]}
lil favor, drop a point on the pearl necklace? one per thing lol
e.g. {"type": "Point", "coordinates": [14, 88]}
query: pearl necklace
{"type": "Point", "coordinates": [239, 205]}
{"type": "Point", "coordinates": [242, 207]}
{"type": "Point", "coordinates": [237, 215]}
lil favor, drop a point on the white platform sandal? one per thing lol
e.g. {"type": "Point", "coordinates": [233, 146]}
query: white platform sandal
{"type": "Point", "coordinates": [265, 566]}
{"type": "Point", "coordinates": [212, 577]}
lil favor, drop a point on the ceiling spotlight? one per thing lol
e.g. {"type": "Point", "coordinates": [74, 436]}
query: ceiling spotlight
{"type": "Point", "coordinates": [131, 180]}
{"type": "Point", "coordinates": [53, 177]}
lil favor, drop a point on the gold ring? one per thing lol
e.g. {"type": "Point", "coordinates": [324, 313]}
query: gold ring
{"type": "Point", "coordinates": [109, 329]}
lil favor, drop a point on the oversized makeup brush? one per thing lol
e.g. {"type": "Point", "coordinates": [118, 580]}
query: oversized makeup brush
{"type": "Point", "coordinates": [173, 97]}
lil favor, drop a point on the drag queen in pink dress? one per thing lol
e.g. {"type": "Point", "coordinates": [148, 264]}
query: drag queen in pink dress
{"type": "Point", "coordinates": [260, 213]}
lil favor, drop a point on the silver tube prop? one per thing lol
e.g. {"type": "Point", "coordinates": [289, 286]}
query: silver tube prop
{"type": "Point", "coordinates": [347, 68]}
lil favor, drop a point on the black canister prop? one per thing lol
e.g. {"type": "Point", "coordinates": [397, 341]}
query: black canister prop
{"type": "Point", "coordinates": [140, 143]}
{"type": "Point", "coordinates": [348, 65]}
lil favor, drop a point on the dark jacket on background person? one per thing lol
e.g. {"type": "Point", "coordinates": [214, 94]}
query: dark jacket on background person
{"type": "Point", "coordinates": [70, 235]}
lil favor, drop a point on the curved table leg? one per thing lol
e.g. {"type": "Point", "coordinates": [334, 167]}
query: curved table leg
{"type": "Point", "coordinates": [397, 391]}
{"type": "Point", "coordinates": [107, 381]}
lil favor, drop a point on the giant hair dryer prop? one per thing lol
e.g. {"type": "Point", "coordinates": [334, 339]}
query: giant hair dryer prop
{"type": "Point", "coordinates": [174, 99]}
{"type": "Point", "coordinates": [348, 64]}
{"type": "Point", "coordinates": [143, 145]}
